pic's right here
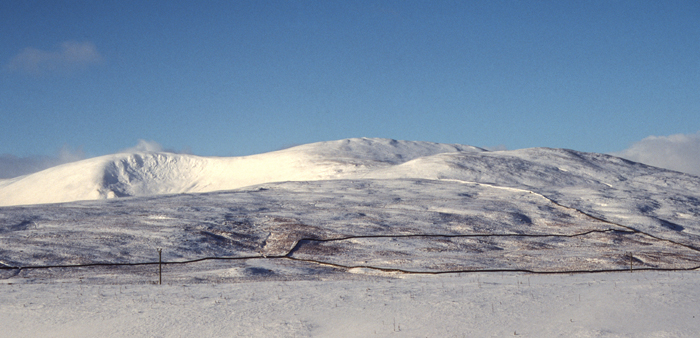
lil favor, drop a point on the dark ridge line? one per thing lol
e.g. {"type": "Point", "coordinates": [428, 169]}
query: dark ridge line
{"type": "Point", "coordinates": [463, 235]}
{"type": "Point", "coordinates": [298, 243]}
{"type": "Point", "coordinates": [349, 267]}
{"type": "Point", "coordinates": [589, 215]}
{"type": "Point", "coordinates": [133, 264]}
{"type": "Point", "coordinates": [443, 272]}
{"type": "Point", "coordinates": [620, 225]}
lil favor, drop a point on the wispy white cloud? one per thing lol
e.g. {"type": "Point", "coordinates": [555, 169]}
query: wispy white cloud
{"type": "Point", "coordinates": [13, 166]}
{"type": "Point", "coordinates": [70, 56]}
{"type": "Point", "coordinates": [680, 152]}
{"type": "Point", "coordinates": [153, 146]}
{"type": "Point", "coordinates": [144, 146]}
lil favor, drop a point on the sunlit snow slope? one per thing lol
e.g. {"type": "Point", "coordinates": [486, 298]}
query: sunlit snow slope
{"type": "Point", "coordinates": [560, 173]}
{"type": "Point", "coordinates": [154, 173]}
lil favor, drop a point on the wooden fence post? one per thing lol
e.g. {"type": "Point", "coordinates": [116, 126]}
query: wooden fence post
{"type": "Point", "coordinates": [160, 266]}
{"type": "Point", "coordinates": [630, 262]}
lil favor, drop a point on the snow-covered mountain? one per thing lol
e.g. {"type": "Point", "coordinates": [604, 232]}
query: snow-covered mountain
{"type": "Point", "coordinates": [154, 173]}
{"type": "Point", "coordinates": [452, 231]}
{"type": "Point", "coordinates": [600, 185]}
{"type": "Point", "coordinates": [603, 185]}
{"type": "Point", "coordinates": [601, 188]}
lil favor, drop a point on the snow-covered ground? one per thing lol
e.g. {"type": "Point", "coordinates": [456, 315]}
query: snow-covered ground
{"type": "Point", "coordinates": [639, 304]}
{"type": "Point", "coordinates": [352, 238]}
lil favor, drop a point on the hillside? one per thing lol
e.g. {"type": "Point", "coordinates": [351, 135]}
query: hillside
{"type": "Point", "coordinates": [356, 187]}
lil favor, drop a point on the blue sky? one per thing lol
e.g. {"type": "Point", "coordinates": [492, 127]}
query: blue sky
{"type": "Point", "coordinates": [229, 78]}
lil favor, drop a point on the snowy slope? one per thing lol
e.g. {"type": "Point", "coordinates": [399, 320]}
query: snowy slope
{"type": "Point", "coordinates": [359, 187]}
{"type": "Point", "coordinates": [627, 195]}
{"type": "Point", "coordinates": [154, 173]}
{"type": "Point", "coordinates": [602, 186]}
{"type": "Point", "coordinates": [617, 190]}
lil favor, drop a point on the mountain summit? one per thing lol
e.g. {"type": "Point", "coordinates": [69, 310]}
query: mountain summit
{"type": "Point", "coordinates": [155, 173]}
{"type": "Point", "coordinates": [560, 173]}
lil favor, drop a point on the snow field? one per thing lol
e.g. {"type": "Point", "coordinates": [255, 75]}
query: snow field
{"type": "Point", "coordinates": [648, 304]}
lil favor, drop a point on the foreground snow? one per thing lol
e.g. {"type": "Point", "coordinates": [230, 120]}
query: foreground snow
{"type": "Point", "coordinates": [640, 304]}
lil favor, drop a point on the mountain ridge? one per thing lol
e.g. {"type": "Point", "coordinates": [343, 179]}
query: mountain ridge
{"type": "Point", "coordinates": [156, 173]}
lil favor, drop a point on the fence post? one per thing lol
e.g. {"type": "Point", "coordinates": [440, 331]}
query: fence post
{"type": "Point", "coordinates": [630, 262]}
{"type": "Point", "coordinates": [160, 266]}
